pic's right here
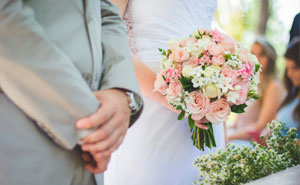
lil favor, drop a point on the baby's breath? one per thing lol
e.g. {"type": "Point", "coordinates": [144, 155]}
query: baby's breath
{"type": "Point", "coordinates": [242, 164]}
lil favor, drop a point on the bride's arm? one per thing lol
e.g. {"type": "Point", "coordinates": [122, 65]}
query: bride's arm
{"type": "Point", "coordinates": [145, 76]}
{"type": "Point", "coordinates": [121, 4]}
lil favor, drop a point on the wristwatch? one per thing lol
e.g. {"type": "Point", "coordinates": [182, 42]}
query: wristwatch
{"type": "Point", "coordinates": [132, 102]}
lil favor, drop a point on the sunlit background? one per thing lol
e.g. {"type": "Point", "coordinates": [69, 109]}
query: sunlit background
{"type": "Point", "coordinates": [245, 19]}
{"type": "Point", "coordinates": [241, 19]}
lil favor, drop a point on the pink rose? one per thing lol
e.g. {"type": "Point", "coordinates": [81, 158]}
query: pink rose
{"type": "Point", "coordinates": [160, 85]}
{"type": "Point", "coordinates": [244, 56]}
{"type": "Point", "coordinates": [218, 60]}
{"type": "Point", "coordinates": [187, 42]}
{"type": "Point", "coordinates": [217, 36]}
{"type": "Point", "coordinates": [175, 87]}
{"type": "Point", "coordinates": [228, 43]}
{"type": "Point", "coordinates": [180, 55]}
{"type": "Point", "coordinates": [228, 72]}
{"type": "Point", "coordinates": [243, 93]}
{"type": "Point", "coordinates": [218, 112]}
{"type": "Point", "coordinates": [192, 61]}
{"type": "Point", "coordinates": [215, 49]}
{"type": "Point", "coordinates": [198, 105]}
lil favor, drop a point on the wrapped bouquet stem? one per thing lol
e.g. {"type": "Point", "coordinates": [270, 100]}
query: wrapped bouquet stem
{"type": "Point", "coordinates": [207, 76]}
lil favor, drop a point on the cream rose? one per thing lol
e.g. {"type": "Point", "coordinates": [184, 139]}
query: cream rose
{"type": "Point", "coordinates": [197, 105]}
{"type": "Point", "coordinates": [173, 44]}
{"type": "Point", "coordinates": [187, 70]}
{"type": "Point", "coordinates": [211, 91]}
{"type": "Point", "coordinates": [218, 112]}
{"type": "Point", "coordinates": [204, 42]}
{"type": "Point", "coordinates": [166, 63]}
{"type": "Point", "coordinates": [211, 70]}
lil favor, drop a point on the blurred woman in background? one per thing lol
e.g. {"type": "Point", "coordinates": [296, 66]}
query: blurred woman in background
{"type": "Point", "coordinates": [259, 113]}
{"type": "Point", "coordinates": [290, 109]}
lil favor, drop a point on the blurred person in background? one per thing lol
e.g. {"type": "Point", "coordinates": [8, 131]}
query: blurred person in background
{"type": "Point", "coordinates": [289, 111]}
{"type": "Point", "coordinates": [295, 30]}
{"type": "Point", "coordinates": [249, 125]}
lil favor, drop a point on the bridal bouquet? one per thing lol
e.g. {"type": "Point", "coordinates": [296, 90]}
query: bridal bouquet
{"type": "Point", "coordinates": [207, 76]}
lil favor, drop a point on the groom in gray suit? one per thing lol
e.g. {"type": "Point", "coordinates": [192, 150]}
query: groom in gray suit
{"type": "Point", "coordinates": [67, 85]}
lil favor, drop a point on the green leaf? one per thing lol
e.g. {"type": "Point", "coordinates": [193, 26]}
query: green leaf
{"type": "Point", "coordinates": [201, 55]}
{"type": "Point", "coordinates": [253, 95]}
{"type": "Point", "coordinates": [199, 33]}
{"type": "Point", "coordinates": [169, 52]}
{"type": "Point", "coordinates": [257, 67]}
{"type": "Point", "coordinates": [238, 108]}
{"type": "Point", "coordinates": [164, 78]}
{"type": "Point", "coordinates": [197, 37]}
{"type": "Point", "coordinates": [178, 107]}
{"type": "Point", "coordinates": [227, 56]}
{"type": "Point", "coordinates": [181, 115]}
{"type": "Point", "coordinates": [163, 52]}
{"type": "Point", "coordinates": [191, 122]}
{"type": "Point", "coordinates": [200, 139]}
{"type": "Point", "coordinates": [207, 140]}
{"type": "Point", "coordinates": [187, 84]}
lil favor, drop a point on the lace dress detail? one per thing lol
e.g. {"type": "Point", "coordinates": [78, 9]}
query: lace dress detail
{"type": "Point", "coordinates": [129, 25]}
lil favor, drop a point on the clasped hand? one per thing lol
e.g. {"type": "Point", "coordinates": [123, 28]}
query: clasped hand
{"type": "Point", "coordinates": [111, 122]}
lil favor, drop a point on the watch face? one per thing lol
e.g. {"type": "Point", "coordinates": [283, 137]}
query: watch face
{"type": "Point", "coordinates": [133, 105]}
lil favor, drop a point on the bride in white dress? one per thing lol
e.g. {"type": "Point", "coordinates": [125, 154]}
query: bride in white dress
{"type": "Point", "coordinates": [157, 149]}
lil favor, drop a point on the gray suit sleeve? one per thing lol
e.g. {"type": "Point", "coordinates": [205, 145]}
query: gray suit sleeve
{"type": "Point", "coordinates": [118, 70]}
{"type": "Point", "coordinates": [39, 78]}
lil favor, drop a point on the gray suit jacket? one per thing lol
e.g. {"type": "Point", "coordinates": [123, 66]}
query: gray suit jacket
{"type": "Point", "coordinates": [53, 54]}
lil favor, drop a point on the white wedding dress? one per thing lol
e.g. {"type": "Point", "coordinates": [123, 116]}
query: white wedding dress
{"type": "Point", "coordinates": [158, 148]}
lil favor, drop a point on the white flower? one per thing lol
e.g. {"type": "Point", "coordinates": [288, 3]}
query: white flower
{"type": "Point", "coordinates": [211, 71]}
{"type": "Point", "coordinates": [234, 62]}
{"type": "Point", "coordinates": [198, 82]}
{"type": "Point", "coordinates": [187, 71]}
{"type": "Point", "coordinates": [254, 59]}
{"type": "Point", "coordinates": [224, 84]}
{"type": "Point", "coordinates": [173, 43]}
{"type": "Point", "coordinates": [197, 71]}
{"type": "Point", "coordinates": [232, 96]}
{"type": "Point", "coordinates": [204, 42]}
{"type": "Point", "coordinates": [196, 50]}
{"type": "Point", "coordinates": [166, 63]}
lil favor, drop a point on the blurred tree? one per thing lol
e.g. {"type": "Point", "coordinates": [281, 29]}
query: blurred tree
{"type": "Point", "coordinates": [264, 15]}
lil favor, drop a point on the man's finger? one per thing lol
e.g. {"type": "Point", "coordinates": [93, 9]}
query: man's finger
{"type": "Point", "coordinates": [110, 150]}
{"type": "Point", "coordinates": [86, 157]}
{"type": "Point", "coordinates": [97, 119]}
{"type": "Point", "coordinates": [104, 144]}
{"type": "Point", "coordinates": [105, 130]}
{"type": "Point", "coordinates": [100, 167]}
